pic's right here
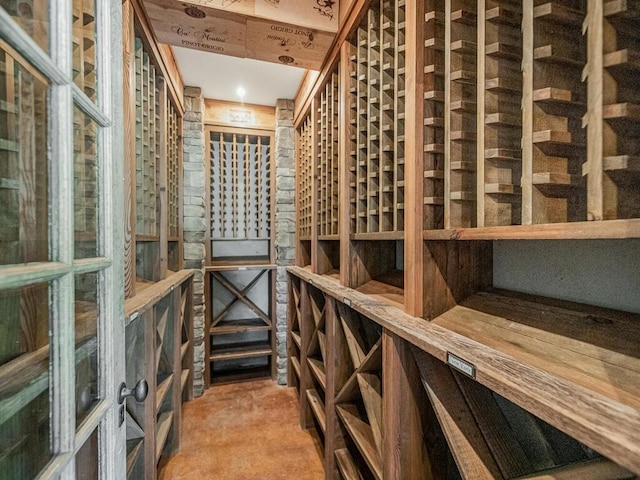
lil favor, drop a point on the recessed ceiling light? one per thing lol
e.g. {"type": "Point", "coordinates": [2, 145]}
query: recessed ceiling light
{"type": "Point", "coordinates": [240, 91]}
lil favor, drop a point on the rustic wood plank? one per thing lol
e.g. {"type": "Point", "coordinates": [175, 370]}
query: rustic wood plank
{"type": "Point", "coordinates": [317, 407]}
{"type": "Point", "coordinates": [468, 446]}
{"type": "Point", "coordinates": [362, 436]}
{"type": "Point", "coordinates": [597, 469]}
{"type": "Point", "coordinates": [501, 440]}
{"type": "Point", "coordinates": [348, 468]}
{"type": "Point", "coordinates": [154, 293]}
{"type": "Point", "coordinates": [404, 452]}
{"type": "Point", "coordinates": [370, 388]}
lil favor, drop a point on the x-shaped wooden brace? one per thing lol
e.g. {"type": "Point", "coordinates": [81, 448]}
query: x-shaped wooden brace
{"type": "Point", "coordinates": [240, 295]}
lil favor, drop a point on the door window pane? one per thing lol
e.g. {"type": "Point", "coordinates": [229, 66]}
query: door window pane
{"type": "Point", "coordinates": [23, 163]}
{"type": "Point", "coordinates": [87, 459]}
{"type": "Point", "coordinates": [24, 381]}
{"type": "Point", "coordinates": [31, 15]}
{"type": "Point", "coordinates": [84, 46]}
{"type": "Point", "coordinates": [85, 179]}
{"type": "Point", "coordinates": [86, 313]}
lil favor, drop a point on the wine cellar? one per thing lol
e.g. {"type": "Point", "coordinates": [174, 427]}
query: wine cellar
{"type": "Point", "coordinates": [388, 239]}
{"type": "Point", "coordinates": [461, 124]}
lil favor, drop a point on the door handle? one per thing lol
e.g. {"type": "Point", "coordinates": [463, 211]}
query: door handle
{"type": "Point", "coordinates": [139, 392]}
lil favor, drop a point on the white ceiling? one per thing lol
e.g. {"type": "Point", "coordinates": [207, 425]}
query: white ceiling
{"type": "Point", "coordinates": [219, 76]}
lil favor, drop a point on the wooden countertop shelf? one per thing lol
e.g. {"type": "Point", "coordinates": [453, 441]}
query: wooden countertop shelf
{"type": "Point", "coordinates": [548, 231]}
{"type": "Point", "coordinates": [592, 347]}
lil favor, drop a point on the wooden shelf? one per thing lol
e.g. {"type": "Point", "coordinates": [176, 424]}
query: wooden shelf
{"type": "Point", "coordinates": [557, 13]}
{"type": "Point", "coordinates": [296, 338]}
{"type": "Point", "coordinates": [548, 53]}
{"type": "Point", "coordinates": [550, 231]}
{"type": "Point", "coordinates": [230, 327]}
{"type": "Point", "coordinates": [134, 448]}
{"type": "Point", "coordinates": [317, 407]}
{"type": "Point", "coordinates": [162, 432]}
{"type": "Point", "coordinates": [317, 368]}
{"type": "Point", "coordinates": [244, 350]}
{"type": "Point", "coordinates": [184, 379]}
{"type": "Point", "coordinates": [384, 292]}
{"type": "Point", "coordinates": [162, 390]}
{"type": "Point", "coordinates": [624, 64]}
{"type": "Point", "coordinates": [574, 366]}
{"type": "Point", "coordinates": [295, 363]}
{"type": "Point", "coordinates": [346, 465]}
{"type": "Point", "coordinates": [362, 436]}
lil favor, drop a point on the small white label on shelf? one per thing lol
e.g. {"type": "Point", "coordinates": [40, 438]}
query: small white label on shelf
{"type": "Point", "coordinates": [242, 268]}
{"type": "Point", "coordinates": [347, 302]}
{"type": "Point", "coordinates": [461, 365]}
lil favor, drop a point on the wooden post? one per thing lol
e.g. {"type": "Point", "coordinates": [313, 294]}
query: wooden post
{"type": "Point", "coordinates": [414, 166]}
{"type": "Point", "coordinates": [404, 453]}
{"type": "Point", "coordinates": [129, 115]}
{"type": "Point", "coordinates": [344, 214]}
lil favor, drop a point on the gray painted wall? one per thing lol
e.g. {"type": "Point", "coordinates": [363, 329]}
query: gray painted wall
{"type": "Point", "coordinates": [597, 272]}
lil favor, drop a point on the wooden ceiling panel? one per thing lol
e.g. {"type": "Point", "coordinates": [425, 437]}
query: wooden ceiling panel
{"type": "Point", "coordinates": [281, 43]}
{"type": "Point", "coordinates": [245, 28]}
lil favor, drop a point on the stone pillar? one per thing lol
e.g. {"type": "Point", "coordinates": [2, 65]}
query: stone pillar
{"type": "Point", "coordinates": [194, 221]}
{"type": "Point", "coordinates": [285, 224]}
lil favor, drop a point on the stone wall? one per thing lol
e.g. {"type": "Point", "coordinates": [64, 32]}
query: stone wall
{"type": "Point", "coordinates": [285, 224]}
{"type": "Point", "coordinates": [195, 224]}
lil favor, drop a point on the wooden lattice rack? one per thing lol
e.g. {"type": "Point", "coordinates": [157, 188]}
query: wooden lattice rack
{"type": "Point", "coordinates": [376, 118]}
{"type": "Point", "coordinates": [328, 158]}
{"type": "Point", "coordinates": [305, 179]}
{"type": "Point", "coordinates": [240, 185]}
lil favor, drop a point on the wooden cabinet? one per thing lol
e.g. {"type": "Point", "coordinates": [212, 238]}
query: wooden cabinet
{"type": "Point", "coordinates": [159, 331]}
{"type": "Point", "coordinates": [461, 123]}
{"type": "Point", "coordinates": [467, 395]}
{"type": "Point", "coordinates": [153, 111]}
{"type": "Point", "coordinates": [240, 271]}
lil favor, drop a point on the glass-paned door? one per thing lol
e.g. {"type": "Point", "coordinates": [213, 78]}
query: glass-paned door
{"type": "Point", "coordinates": [61, 278]}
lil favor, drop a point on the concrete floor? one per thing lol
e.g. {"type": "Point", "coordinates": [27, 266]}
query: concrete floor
{"type": "Point", "coordinates": [244, 431]}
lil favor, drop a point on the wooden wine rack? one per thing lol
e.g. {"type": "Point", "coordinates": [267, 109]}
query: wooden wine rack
{"type": "Point", "coordinates": [552, 183]}
{"type": "Point", "coordinates": [460, 112]}
{"type": "Point", "coordinates": [376, 118]}
{"type": "Point", "coordinates": [433, 149]}
{"type": "Point", "coordinates": [240, 180]}
{"type": "Point", "coordinates": [174, 154]}
{"type": "Point", "coordinates": [499, 113]}
{"type": "Point", "coordinates": [613, 162]}
{"type": "Point", "coordinates": [388, 400]}
{"type": "Point", "coordinates": [522, 123]}
{"type": "Point", "coordinates": [147, 138]}
{"type": "Point", "coordinates": [305, 179]}
{"type": "Point", "coordinates": [327, 154]}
